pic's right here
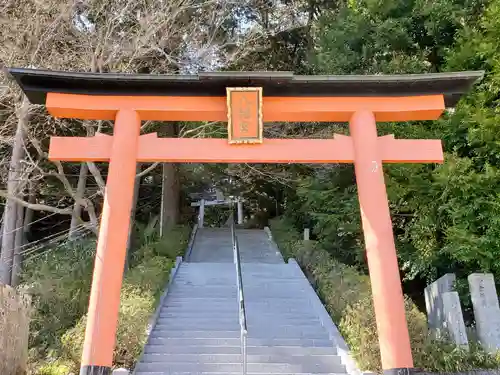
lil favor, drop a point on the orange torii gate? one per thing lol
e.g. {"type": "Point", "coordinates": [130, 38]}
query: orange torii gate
{"type": "Point", "coordinates": [245, 100]}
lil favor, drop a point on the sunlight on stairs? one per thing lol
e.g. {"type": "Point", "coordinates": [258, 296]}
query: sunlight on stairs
{"type": "Point", "coordinates": [198, 332]}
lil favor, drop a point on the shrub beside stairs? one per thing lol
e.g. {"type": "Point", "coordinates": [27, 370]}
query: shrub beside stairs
{"type": "Point", "coordinates": [197, 329]}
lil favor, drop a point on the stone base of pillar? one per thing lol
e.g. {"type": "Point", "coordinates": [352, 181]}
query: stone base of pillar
{"type": "Point", "coordinates": [95, 370]}
{"type": "Point", "coordinates": [401, 371]}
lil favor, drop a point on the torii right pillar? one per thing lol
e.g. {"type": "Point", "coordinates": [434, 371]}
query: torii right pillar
{"type": "Point", "coordinates": [388, 300]}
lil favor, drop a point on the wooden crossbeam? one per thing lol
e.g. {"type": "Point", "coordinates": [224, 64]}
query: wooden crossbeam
{"type": "Point", "coordinates": [213, 203]}
{"type": "Point", "coordinates": [293, 109]}
{"type": "Point", "coordinates": [208, 150]}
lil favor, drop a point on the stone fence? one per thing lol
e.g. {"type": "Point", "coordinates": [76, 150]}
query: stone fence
{"type": "Point", "coordinates": [14, 328]}
{"type": "Point", "coordinates": [444, 312]}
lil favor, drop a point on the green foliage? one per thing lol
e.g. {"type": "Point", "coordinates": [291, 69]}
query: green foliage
{"type": "Point", "coordinates": [346, 295]}
{"type": "Point", "coordinates": [59, 281]}
{"type": "Point", "coordinates": [445, 218]}
{"type": "Point", "coordinates": [447, 357]}
{"type": "Point", "coordinates": [140, 291]}
{"type": "Point", "coordinates": [149, 243]}
{"type": "Point", "coordinates": [390, 36]}
{"type": "Point", "coordinates": [359, 328]}
{"type": "Point", "coordinates": [54, 368]}
{"type": "Point", "coordinates": [332, 204]}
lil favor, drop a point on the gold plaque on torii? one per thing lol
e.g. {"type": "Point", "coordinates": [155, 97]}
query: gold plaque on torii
{"type": "Point", "coordinates": [244, 114]}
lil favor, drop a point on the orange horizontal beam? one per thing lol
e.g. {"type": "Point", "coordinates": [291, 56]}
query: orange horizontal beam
{"type": "Point", "coordinates": [292, 109]}
{"type": "Point", "coordinates": [210, 150]}
{"type": "Point", "coordinates": [410, 150]}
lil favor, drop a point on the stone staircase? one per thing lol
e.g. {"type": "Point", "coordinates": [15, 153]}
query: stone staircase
{"type": "Point", "coordinates": [214, 245]}
{"type": "Point", "coordinates": [197, 329]}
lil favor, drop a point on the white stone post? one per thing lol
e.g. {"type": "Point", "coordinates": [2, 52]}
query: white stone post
{"type": "Point", "coordinates": [486, 310]}
{"type": "Point", "coordinates": [444, 312]}
{"type": "Point", "coordinates": [307, 233]}
{"type": "Point", "coordinates": [240, 211]}
{"type": "Point", "coordinates": [201, 215]}
{"type": "Point", "coordinates": [434, 301]}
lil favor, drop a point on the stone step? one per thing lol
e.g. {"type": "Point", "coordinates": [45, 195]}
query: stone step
{"type": "Point", "coordinates": [185, 295]}
{"type": "Point", "coordinates": [251, 350]}
{"type": "Point", "coordinates": [226, 373]}
{"type": "Point", "coordinates": [276, 310]}
{"type": "Point", "coordinates": [201, 290]}
{"type": "Point", "coordinates": [222, 332]}
{"type": "Point", "coordinates": [326, 360]}
{"type": "Point", "coordinates": [278, 273]}
{"type": "Point", "coordinates": [204, 283]}
{"type": "Point", "coordinates": [212, 341]}
{"type": "Point", "coordinates": [231, 297]}
{"type": "Point", "coordinates": [277, 321]}
{"type": "Point", "coordinates": [250, 308]}
{"type": "Point", "coordinates": [202, 299]}
{"type": "Point", "coordinates": [278, 291]}
{"type": "Point", "coordinates": [205, 270]}
{"type": "Point", "coordinates": [200, 319]}
{"type": "Point", "coordinates": [196, 314]}
{"type": "Point", "coordinates": [197, 289]}
{"type": "Point", "coordinates": [251, 320]}
{"type": "Point", "coordinates": [246, 269]}
{"type": "Point", "coordinates": [187, 291]}
{"type": "Point", "coordinates": [259, 368]}
{"type": "Point", "coordinates": [302, 306]}
{"type": "Point", "coordinates": [158, 331]}
{"type": "Point", "coordinates": [191, 312]}
{"type": "Point", "coordinates": [227, 334]}
{"type": "Point", "coordinates": [256, 330]}
{"type": "Point", "coordinates": [282, 284]}
{"type": "Point", "coordinates": [203, 302]}
{"type": "Point", "coordinates": [220, 280]}
{"type": "Point", "coordinates": [266, 280]}
{"type": "Point", "coordinates": [250, 292]}
{"type": "Point", "coordinates": [230, 307]}
{"type": "Point", "coordinates": [195, 326]}
{"type": "Point", "coordinates": [252, 313]}
{"type": "Point", "coordinates": [183, 322]}
{"type": "Point", "coordinates": [267, 266]}
{"type": "Point", "coordinates": [227, 270]}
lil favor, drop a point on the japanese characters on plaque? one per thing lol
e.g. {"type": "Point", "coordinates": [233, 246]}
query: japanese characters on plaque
{"type": "Point", "coordinates": [244, 112]}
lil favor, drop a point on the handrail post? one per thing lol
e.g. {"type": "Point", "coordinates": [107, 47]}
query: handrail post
{"type": "Point", "coordinates": [244, 350]}
{"type": "Point", "coordinates": [241, 298]}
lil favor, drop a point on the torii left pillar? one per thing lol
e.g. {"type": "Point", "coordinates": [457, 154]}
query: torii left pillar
{"type": "Point", "coordinates": [104, 302]}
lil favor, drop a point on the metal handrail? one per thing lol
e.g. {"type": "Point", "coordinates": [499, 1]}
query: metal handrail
{"type": "Point", "coordinates": [241, 297]}
{"type": "Point", "coordinates": [190, 245]}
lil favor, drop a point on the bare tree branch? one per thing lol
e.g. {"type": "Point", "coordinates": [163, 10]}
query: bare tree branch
{"type": "Point", "coordinates": [147, 170]}
{"type": "Point", "coordinates": [36, 206]}
{"type": "Point", "coordinates": [97, 176]}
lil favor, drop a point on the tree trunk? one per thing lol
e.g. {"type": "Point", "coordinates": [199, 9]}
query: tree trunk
{"type": "Point", "coordinates": [137, 186]}
{"type": "Point", "coordinates": [28, 215]}
{"type": "Point", "coordinates": [9, 229]}
{"type": "Point", "coordinates": [18, 249]}
{"type": "Point", "coordinates": [77, 208]}
{"type": "Point", "coordinates": [1, 230]}
{"type": "Point", "coordinates": [170, 197]}
{"type": "Point", "coordinates": [170, 203]}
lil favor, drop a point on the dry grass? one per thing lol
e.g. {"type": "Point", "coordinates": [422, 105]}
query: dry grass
{"type": "Point", "coordinates": [14, 329]}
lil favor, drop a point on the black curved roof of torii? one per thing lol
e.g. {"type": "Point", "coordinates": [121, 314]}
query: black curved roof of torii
{"type": "Point", "coordinates": [37, 83]}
